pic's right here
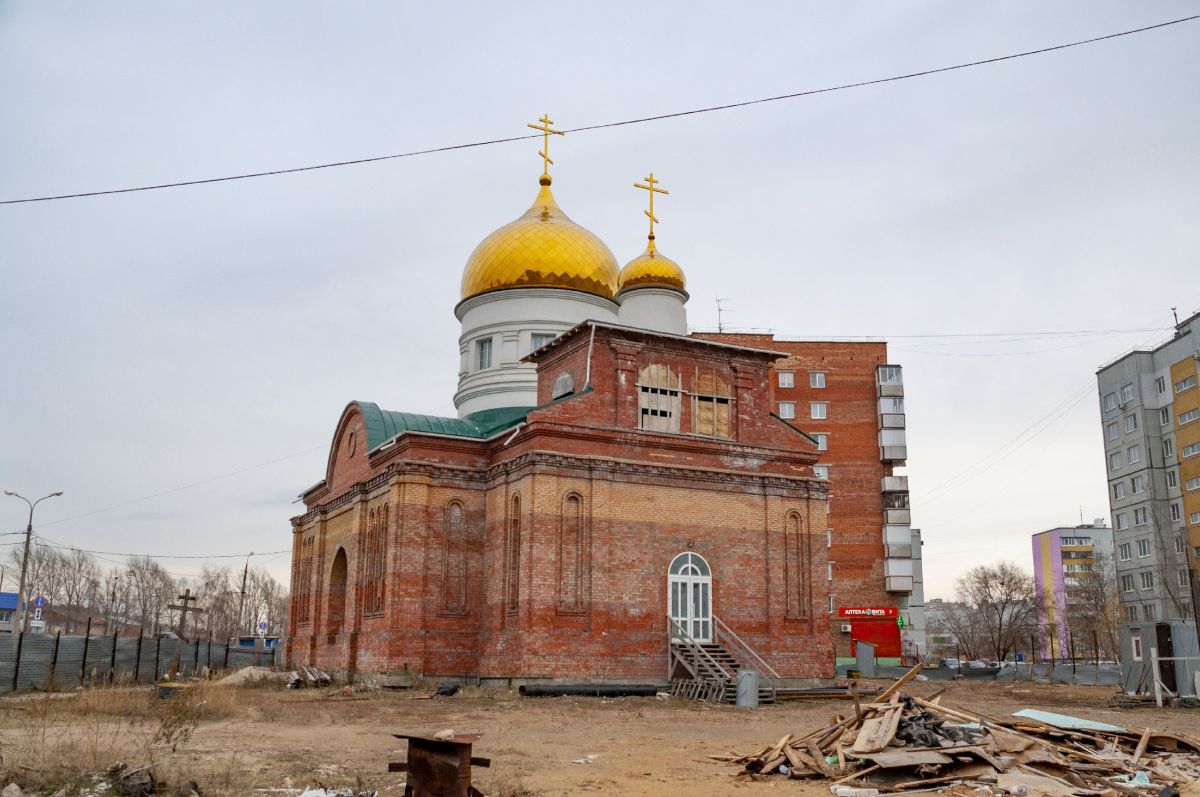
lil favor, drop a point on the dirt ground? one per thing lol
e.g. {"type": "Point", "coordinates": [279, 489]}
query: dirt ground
{"type": "Point", "coordinates": [239, 740]}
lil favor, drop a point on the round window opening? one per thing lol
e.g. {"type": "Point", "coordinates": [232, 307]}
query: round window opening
{"type": "Point", "coordinates": [352, 442]}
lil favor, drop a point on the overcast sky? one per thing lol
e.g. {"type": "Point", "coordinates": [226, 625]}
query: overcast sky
{"type": "Point", "coordinates": [198, 344]}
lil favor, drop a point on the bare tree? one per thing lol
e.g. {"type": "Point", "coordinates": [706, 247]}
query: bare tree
{"type": "Point", "coordinates": [1094, 607]}
{"type": "Point", "coordinates": [965, 626]}
{"type": "Point", "coordinates": [1001, 597]}
{"type": "Point", "coordinates": [151, 590]}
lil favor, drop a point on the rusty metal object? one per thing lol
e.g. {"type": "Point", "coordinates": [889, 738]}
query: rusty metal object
{"type": "Point", "coordinates": [439, 767]}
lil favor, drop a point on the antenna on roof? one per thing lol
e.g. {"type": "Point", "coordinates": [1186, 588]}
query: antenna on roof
{"type": "Point", "coordinates": [1173, 309]}
{"type": "Point", "coordinates": [720, 311]}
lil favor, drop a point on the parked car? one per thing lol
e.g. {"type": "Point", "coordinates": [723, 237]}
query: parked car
{"type": "Point", "coordinates": [977, 665]}
{"type": "Point", "coordinates": [952, 664]}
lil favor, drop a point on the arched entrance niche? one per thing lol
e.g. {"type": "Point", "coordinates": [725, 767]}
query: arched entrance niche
{"type": "Point", "coordinates": [689, 596]}
{"type": "Point", "coordinates": [335, 612]}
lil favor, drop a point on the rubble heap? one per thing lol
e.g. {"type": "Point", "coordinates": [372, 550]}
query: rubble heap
{"type": "Point", "coordinates": [902, 743]}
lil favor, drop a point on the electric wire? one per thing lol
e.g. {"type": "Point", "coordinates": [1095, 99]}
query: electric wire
{"type": "Point", "coordinates": [56, 544]}
{"type": "Point", "coordinates": [606, 125]}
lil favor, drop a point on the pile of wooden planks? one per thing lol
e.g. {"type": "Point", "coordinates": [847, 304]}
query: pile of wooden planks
{"type": "Point", "coordinates": [898, 743]}
{"type": "Point", "coordinates": [308, 676]}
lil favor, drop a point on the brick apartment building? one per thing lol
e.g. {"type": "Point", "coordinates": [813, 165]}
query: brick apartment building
{"type": "Point", "coordinates": [613, 494]}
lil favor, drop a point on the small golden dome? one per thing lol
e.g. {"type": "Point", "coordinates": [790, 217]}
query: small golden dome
{"type": "Point", "coordinates": [541, 249]}
{"type": "Point", "coordinates": [652, 268]}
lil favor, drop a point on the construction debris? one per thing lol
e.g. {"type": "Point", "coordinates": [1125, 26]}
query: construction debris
{"type": "Point", "coordinates": [139, 782]}
{"type": "Point", "coordinates": [900, 743]}
{"type": "Point", "coordinates": [308, 676]}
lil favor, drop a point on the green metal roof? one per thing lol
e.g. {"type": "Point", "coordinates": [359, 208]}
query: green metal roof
{"type": "Point", "coordinates": [383, 425]}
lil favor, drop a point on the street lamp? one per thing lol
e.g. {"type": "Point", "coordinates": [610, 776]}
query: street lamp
{"type": "Point", "coordinates": [25, 558]}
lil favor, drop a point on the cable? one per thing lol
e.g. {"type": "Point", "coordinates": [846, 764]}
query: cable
{"type": "Point", "coordinates": [55, 544]}
{"type": "Point", "coordinates": [605, 125]}
{"type": "Point", "coordinates": [186, 486]}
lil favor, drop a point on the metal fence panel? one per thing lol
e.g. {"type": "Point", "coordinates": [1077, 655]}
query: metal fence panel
{"type": "Point", "coordinates": [36, 654]}
{"type": "Point", "coordinates": [8, 657]}
{"type": "Point", "coordinates": [70, 661]}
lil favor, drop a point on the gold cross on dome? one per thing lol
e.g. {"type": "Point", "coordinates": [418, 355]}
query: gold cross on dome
{"type": "Point", "coordinates": [546, 121]}
{"type": "Point", "coordinates": [652, 187]}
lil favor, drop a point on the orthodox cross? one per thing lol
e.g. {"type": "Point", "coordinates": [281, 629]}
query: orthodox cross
{"type": "Point", "coordinates": [651, 186]}
{"type": "Point", "coordinates": [186, 598]}
{"type": "Point", "coordinates": [546, 121]}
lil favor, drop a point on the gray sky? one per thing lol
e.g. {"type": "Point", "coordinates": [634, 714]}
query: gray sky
{"type": "Point", "coordinates": [156, 340]}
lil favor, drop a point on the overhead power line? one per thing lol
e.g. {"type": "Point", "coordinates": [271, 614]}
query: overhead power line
{"type": "Point", "coordinates": [49, 543]}
{"type": "Point", "coordinates": [604, 125]}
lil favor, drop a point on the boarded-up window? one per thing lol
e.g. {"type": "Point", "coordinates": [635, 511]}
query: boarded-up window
{"type": "Point", "coordinates": [454, 567]}
{"type": "Point", "coordinates": [375, 561]}
{"type": "Point", "coordinates": [711, 402]}
{"type": "Point", "coordinates": [512, 558]}
{"type": "Point", "coordinates": [658, 399]}
{"type": "Point", "coordinates": [571, 554]}
{"type": "Point", "coordinates": [796, 558]}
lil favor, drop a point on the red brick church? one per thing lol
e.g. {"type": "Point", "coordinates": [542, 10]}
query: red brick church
{"type": "Point", "coordinates": [615, 501]}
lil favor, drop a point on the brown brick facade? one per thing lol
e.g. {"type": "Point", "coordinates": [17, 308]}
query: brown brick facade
{"type": "Point", "coordinates": [542, 551]}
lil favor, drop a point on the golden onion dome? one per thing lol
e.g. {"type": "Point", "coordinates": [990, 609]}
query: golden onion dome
{"type": "Point", "coordinates": [544, 249]}
{"type": "Point", "coordinates": [652, 268]}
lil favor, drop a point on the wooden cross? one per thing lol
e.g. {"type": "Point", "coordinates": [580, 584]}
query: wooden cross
{"type": "Point", "coordinates": [187, 597]}
{"type": "Point", "coordinates": [651, 186]}
{"type": "Point", "coordinates": [546, 121]}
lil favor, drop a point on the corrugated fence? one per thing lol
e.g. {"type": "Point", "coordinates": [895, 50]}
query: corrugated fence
{"type": "Point", "coordinates": [40, 661]}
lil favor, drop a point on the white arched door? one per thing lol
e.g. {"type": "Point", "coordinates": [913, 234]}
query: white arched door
{"type": "Point", "coordinates": [689, 594]}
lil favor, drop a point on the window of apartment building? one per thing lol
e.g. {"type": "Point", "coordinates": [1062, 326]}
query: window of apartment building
{"type": "Point", "coordinates": [711, 406]}
{"type": "Point", "coordinates": [1130, 613]}
{"type": "Point", "coordinates": [1135, 641]}
{"type": "Point", "coordinates": [1118, 490]}
{"type": "Point", "coordinates": [1127, 583]}
{"type": "Point", "coordinates": [1168, 447]}
{"type": "Point", "coordinates": [1172, 479]}
{"type": "Point", "coordinates": [1134, 454]}
{"type": "Point", "coordinates": [1130, 423]}
{"type": "Point", "coordinates": [818, 410]}
{"type": "Point", "coordinates": [1189, 416]}
{"type": "Point", "coordinates": [1139, 516]}
{"type": "Point", "coordinates": [1122, 521]}
{"type": "Point", "coordinates": [1143, 548]}
{"type": "Point", "coordinates": [1138, 483]}
{"type": "Point", "coordinates": [1123, 552]}
{"type": "Point", "coordinates": [1181, 578]}
{"type": "Point", "coordinates": [821, 471]}
{"type": "Point", "coordinates": [831, 603]}
{"type": "Point", "coordinates": [1114, 460]}
{"type": "Point", "coordinates": [1112, 431]}
{"type": "Point", "coordinates": [1176, 513]}
{"type": "Point", "coordinates": [1127, 392]}
{"type": "Point", "coordinates": [822, 441]}
{"type": "Point", "coordinates": [1194, 519]}
{"type": "Point", "coordinates": [1190, 451]}
{"type": "Point", "coordinates": [892, 405]}
{"type": "Point", "coordinates": [1193, 484]}
{"type": "Point", "coordinates": [1148, 611]}
{"type": "Point", "coordinates": [539, 339]}
{"type": "Point", "coordinates": [1148, 580]}
{"type": "Point", "coordinates": [829, 571]}
{"type": "Point", "coordinates": [6, 615]}
{"type": "Point", "coordinates": [659, 398]}
{"type": "Point", "coordinates": [787, 378]}
{"type": "Point", "coordinates": [1180, 545]}
{"type": "Point", "coordinates": [1161, 384]}
{"type": "Point", "coordinates": [1164, 416]}
{"type": "Point", "coordinates": [889, 375]}
{"type": "Point", "coordinates": [816, 379]}
{"type": "Point", "coordinates": [483, 354]}
{"type": "Point", "coordinates": [1110, 402]}
{"type": "Point", "coordinates": [787, 409]}
{"type": "Point", "coordinates": [1184, 384]}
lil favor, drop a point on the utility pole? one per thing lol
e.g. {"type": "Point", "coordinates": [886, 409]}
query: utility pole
{"type": "Point", "coordinates": [25, 559]}
{"type": "Point", "coordinates": [242, 600]}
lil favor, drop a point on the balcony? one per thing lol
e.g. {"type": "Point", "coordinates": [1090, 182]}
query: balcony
{"type": "Point", "coordinates": [889, 381]}
{"type": "Point", "coordinates": [898, 551]}
{"type": "Point", "coordinates": [891, 421]}
{"type": "Point", "coordinates": [895, 484]}
{"type": "Point", "coordinates": [897, 516]}
{"type": "Point", "coordinates": [898, 583]}
{"type": "Point", "coordinates": [897, 535]}
{"type": "Point", "coordinates": [895, 501]}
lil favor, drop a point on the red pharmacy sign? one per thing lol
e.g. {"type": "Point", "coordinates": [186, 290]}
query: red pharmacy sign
{"type": "Point", "coordinates": [868, 611]}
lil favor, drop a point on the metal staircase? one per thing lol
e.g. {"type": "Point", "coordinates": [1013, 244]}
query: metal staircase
{"type": "Point", "coordinates": [708, 670]}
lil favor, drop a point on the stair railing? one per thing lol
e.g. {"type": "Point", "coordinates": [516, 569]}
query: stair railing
{"type": "Point", "coordinates": [700, 658]}
{"type": "Point", "coordinates": [746, 654]}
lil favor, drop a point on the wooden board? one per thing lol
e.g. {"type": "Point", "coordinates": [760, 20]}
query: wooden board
{"type": "Point", "coordinates": [876, 732]}
{"type": "Point", "coordinates": [888, 759]}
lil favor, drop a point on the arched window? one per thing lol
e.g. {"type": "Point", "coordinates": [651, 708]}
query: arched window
{"type": "Point", "coordinates": [302, 580]}
{"type": "Point", "coordinates": [512, 559]}
{"type": "Point", "coordinates": [689, 596]}
{"type": "Point", "coordinates": [797, 564]}
{"type": "Point", "coordinates": [571, 554]}
{"type": "Point", "coordinates": [658, 399]}
{"type": "Point", "coordinates": [711, 401]}
{"type": "Point", "coordinates": [454, 567]}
